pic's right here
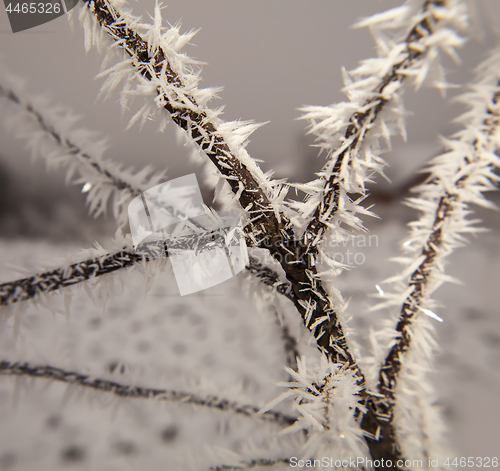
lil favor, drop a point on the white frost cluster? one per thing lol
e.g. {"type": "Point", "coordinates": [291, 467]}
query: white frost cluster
{"type": "Point", "coordinates": [325, 398]}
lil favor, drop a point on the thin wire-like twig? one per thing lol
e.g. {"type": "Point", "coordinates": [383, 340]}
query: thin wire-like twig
{"type": "Point", "coordinates": [8, 368]}
{"type": "Point", "coordinates": [71, 147]}
{"type": "Point", "coordinates": [270, 278]}
{"type": "Point", "coordinates": [290, 343]}
{"type": "Point", "coordinates": [46, 282]}
{"type": "Point", "coordinates": [251, 464]}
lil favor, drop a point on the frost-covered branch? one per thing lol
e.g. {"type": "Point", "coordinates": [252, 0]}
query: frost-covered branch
{"type": "Point", "coordinates": [49, 134]}
{"type": "Point", "coordinates": [156, 68]}
{"type": "Point", "coordinates": [351, 132]}
{"type": "Point", "coordinates": [49, 281]}
{"type": "Point", "coordinates": [162, 72]}
{"type": "Point", "coordinates": [53, 280]}
{"type": "Point", "coordinates": [457, 179]}
{"type": "Point", "coordinates": [8, 368]}
{"type": "Point", "coordinates": [353, 161]}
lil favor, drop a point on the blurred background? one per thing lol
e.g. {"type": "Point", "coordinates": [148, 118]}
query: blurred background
{"type": "Point", "coordinates": [272, 57]}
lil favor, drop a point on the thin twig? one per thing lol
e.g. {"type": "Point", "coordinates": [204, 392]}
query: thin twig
{"type": "Point", "coordinates": [290, 343]}
{"type": "Point", "coordinates": [67, 144]}
{"type": "Point", "coordinates": [270, 278]}
{"type": "Point", "coordinates": [28, 288]}
{"type": "Point", "coordinates": [361, 122]}
{"type": "Point", "coordinates": [421, 277]}
{"type": "Point", "coordinates": [8, 368]}
{"type": "Point", "coordinates": [251, 464]}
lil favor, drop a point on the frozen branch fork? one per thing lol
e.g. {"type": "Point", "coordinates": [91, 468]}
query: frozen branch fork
{"type": "Point", "coordinates": [334, 403]}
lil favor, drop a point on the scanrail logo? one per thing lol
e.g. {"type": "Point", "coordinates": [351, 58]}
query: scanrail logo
{"type": "Point", "coordinates": [205, 247]}
{"type": "Point", "coordinates": [26, 15]}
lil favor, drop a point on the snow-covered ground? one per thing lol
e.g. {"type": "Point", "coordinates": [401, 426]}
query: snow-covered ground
{"type": "Point", "coordinates": [220, 341]}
